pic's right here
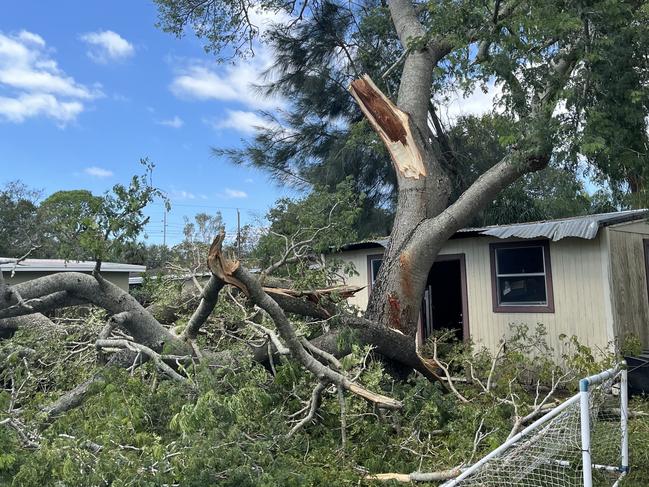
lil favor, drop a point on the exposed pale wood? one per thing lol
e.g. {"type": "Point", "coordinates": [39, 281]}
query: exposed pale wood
{"type": "Point", "coordinates": [417, 476]}
{"type": "Point", "coordinates": [392, 125]}
{"type": "Point", "coordinates": [235, 273]}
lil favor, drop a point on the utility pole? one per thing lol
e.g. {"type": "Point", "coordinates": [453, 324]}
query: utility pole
{"type": "Point", "coordinates": [238, 234]}
{"type": "Point", "coordinates": [164, 229]}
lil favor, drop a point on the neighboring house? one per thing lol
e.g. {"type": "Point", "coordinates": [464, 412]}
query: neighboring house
{"type": "Point", "coordinates": [30, 269]}
{"type": "Point", "coordinates": [583, 276]}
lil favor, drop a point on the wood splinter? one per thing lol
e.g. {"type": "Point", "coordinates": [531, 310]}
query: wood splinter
{"type": "Point", "coordinates": [392, 125]}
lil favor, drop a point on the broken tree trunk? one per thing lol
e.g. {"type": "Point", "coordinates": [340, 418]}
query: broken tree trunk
{"type": "Point", "coordinates": [396, 295]}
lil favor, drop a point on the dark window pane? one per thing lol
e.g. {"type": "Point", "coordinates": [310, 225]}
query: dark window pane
{"type": "Point", "coordinates": [376, 263]}
{"type": "Point", "coordinates": [520, 260]}
{"type": "Point", "coordinates": [524, 290]}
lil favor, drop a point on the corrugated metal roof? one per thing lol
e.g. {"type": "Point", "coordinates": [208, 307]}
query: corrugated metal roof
{"type": "Point", "coordinates": [60, 265]}
{"type": "Point", "coordinates": [366, 244]}
{"type": "Point", "coordinates": [585, 227]}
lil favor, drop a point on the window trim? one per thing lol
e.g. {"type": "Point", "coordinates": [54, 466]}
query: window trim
{"type": "Point", "coordinates": [370, 281]}
{"type": "Point", "coordinates": [528, 308]}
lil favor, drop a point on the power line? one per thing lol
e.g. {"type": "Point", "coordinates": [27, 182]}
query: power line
{"type": "Point", "coordinates": [188, 205]}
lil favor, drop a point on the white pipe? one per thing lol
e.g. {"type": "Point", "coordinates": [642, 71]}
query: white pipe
{"type": "Point", "coordinates": [585, 433]}
{"type": "Point", "coordinates": [602, 376]}
{"type": "Point", "coordinates": [617, 482]}
{"type": "Point", "coordinates": [512, 440]}
{"type": "Point", "coordinates": [583, 397]}
{"type": "Point", "coordinates": [624, 418]}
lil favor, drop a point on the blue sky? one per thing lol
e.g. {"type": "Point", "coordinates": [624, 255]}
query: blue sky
{"type": "Point", "coordinates": [88, 88]}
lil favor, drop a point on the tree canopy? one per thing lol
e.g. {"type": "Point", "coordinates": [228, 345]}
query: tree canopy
{"type": "Point", "coordinates": [320, 47]}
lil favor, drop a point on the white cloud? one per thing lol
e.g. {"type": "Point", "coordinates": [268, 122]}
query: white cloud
{"type": "Point", "coordinates": [249, 180]}
{"type": "Point", "coordinates": [98, 172]}
{"type": "Point", "coordinates": [238, 120]}
{"type": "Point", "coordinates": [33, 85]}
{"type": "Point", "coordinates": [203, 82]}
{"type": "Point", "coordinates": [182, 195]}
{"type": "Point", "coordinates": [36, 104]}
{"type": "Point", "coordinates": [175, 122]}
{"type": "Point", "coordinates": [235, 193]}
{"type": "Point", "coordinates": [105, 46]}
{"type": "Point", "coordinates": [30, 37]}
{"type": "Point", "coordinates": [476, 103]}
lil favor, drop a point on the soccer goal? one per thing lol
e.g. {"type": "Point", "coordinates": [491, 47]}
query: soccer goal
{"type": "Point", "coordinates": [582, 442]}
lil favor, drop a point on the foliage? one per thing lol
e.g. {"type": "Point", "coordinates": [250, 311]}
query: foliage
{"type": "Point", "coordinates": [230, 429]}
{"type": "Point", "coordinates": [557, 192]}
{"type": "Point", "coordinates": [323, 220]}
{"type": "Point", "coordinates": [76, 224]}
{"type": "Point", "coordinates": [80, 225]}
{"type": "Point", "coordinates": [18, 217]}
{"type": "Point", "coordinates": [189, 255]}
{"type": "Point", "coordinates": [323, 137]}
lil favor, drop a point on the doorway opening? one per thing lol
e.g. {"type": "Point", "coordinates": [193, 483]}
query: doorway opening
{"type": "Point", "coordinates": [445, 299]}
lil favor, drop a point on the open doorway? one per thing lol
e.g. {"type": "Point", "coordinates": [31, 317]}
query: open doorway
{"type": "Point", "coordinates": [445, 299]}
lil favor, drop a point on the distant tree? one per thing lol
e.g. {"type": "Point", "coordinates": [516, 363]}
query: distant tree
{"type": "Point", "coordinates": [189, 255]}
{"type": "Point", "coordinates": [19, 222]}
{"type": "Point", "coordinates": [80, 225]}
{"type": "Point", "coordinates": [317, 223]}
{"type": "Point", "coordinates": [70, 223]}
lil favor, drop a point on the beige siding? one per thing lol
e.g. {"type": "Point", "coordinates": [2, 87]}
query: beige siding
{"type": "Point", "coordinates": [579, 284]}
{"type": "Point", "coordinates": [629, 280]}
{"type": "Point", "coordinates": [118, 278]}
{"type": "Point", "coordinates": [359, 259]}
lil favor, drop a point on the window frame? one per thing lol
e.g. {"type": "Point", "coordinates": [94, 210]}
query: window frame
{"type": "Point", "coordinates": [370, 281]}
{"type": "Point", "coordinates": [525, 308]}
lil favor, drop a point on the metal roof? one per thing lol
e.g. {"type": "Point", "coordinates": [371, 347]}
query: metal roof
{"type": "Point", "coordinates": [585, 227]}
{"type": "Point", "coordinates": [60, 265]}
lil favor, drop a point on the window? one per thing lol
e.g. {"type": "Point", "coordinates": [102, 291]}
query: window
{"type": "Point", "coordinates": [522, 277]}
{"type": "Point", "coordinates": [373, 265]}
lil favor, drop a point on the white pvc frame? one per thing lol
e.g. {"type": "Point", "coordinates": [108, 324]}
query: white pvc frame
{"type": "Point", "coordinates": [583, 397]}
{"type": "Point", "coordinates": [584, 400]}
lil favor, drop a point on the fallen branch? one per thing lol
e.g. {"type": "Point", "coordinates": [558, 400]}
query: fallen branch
{"type": "Point", "coordinates": [447, 374]}
{"type": "Point", "coordinates": [28, 438]}
{"type": "Point", "coordinates": [313, 407]}
{"type": "Point", "coordinates": [417, 476]}
{"type": "Point", "coordinates": [231, 271]}
{"type": "Point", "coordinates": [136, 347]}
{"type": "Point", "coordinates": [209, 297]}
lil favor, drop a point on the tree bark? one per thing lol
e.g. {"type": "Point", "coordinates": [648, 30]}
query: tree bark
{"type": "Point", "coordinates": [423, 220]}
{"type": "Point", "coordinates": [71, 288]}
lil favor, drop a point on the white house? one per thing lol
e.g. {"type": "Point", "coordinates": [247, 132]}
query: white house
{"type": "Point", "coordinates": [29, 269]}
{"type": "Point", "coordinates": [583, 276]}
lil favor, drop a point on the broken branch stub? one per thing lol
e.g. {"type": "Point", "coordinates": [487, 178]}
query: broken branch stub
{"type": "Point", "coordinates": [392, 125]}
{"type": "Point", "coordinates": [222, 267]}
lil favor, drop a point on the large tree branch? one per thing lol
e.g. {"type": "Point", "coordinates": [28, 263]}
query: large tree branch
{"type": "Point", "coordinates": [232, 272]}
{"type": "Point", "coordinates": [84, 288]}
{"type": "Point", "coordinates": [209, 297]}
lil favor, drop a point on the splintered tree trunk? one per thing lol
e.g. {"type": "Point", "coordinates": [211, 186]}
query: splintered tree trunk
{"type": "Point", "coordinates": [396, 297]}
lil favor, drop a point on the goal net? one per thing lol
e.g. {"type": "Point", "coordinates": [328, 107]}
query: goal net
{"type": "Point", "coordinates": [582, 442]}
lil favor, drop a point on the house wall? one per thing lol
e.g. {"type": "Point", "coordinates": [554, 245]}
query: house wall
{"type": "Point", "coordinates": [579, 285]}
{"type": "Point", "coordinates": [118, 278]}
{"type": "Point", "coordinates": [629, 296]}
